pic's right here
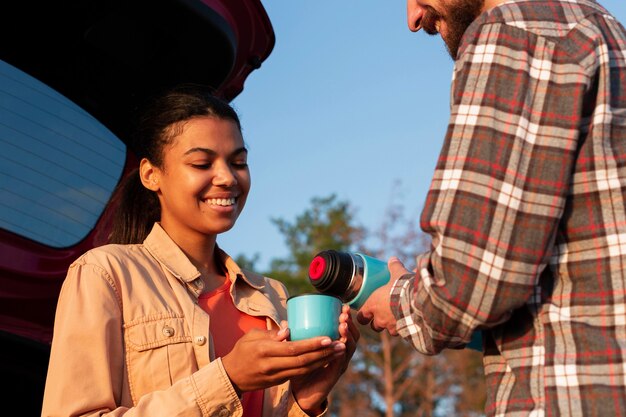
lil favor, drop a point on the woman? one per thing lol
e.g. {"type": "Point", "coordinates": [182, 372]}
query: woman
{"type": "Point", "coordinates": [163, 322]}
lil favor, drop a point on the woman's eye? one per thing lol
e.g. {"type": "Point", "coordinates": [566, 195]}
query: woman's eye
{"type": "Point", "coordinates": [206, 165]}
{"type": "Point", "coordinates": [240, 164]}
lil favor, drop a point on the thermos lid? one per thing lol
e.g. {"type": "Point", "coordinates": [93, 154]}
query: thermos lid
{"type": "Point", "coordinates": [317, 267]}
{"type": "Point", "coordinates": [331, 272]}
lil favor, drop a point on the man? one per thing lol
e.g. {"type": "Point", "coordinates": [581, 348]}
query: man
{"type": "Point", "coordinates": [526, 210]}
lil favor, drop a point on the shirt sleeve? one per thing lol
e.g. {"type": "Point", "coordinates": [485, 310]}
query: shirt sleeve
{"type": "Point", "coordinates": [499, 187]}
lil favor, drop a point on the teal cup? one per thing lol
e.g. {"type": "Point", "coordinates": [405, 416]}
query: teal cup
{"type": "Point", "coordinates": [312, 315]}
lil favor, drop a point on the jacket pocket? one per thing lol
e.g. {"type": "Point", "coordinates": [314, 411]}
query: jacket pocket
{"type": "Point", "coordinates": [159, 352]}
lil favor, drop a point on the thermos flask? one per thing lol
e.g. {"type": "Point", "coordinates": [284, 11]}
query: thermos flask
{"type": "Point", "coordinates": [353, 277]}
{"type": "Point", "coordinates": [350, 276]}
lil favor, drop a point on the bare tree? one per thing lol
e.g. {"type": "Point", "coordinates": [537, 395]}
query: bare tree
{"type": "Point", "coordinates": [412, 383]}
{"type": "Point", "coordinates": [386, 377]}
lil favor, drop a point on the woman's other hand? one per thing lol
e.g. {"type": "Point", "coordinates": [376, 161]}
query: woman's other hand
{"type": "Point", "coordinates": [264, 358]}
{"type": "Point", "coordinates": [310, 390]}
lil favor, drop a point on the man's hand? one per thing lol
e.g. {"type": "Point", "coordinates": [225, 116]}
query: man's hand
{"type": "Point", "coordinates": [377, 310]}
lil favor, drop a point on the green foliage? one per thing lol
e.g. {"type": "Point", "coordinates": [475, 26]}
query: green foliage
{"type": "Point", "coordinates": [328, 224]}
{"type": "Point", "coordinates": [386, 377]}
{"type": "Point", "coordinates": [248, 263]}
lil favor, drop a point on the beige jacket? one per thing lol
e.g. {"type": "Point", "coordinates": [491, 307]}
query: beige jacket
{"type": "Point", "coordinates": [130, 339]}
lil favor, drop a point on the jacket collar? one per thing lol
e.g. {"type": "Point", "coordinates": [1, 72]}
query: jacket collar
{"type": "Point", "coordinates": [169, 254]}
{"type": "Point", "coordinates": [235, 272]}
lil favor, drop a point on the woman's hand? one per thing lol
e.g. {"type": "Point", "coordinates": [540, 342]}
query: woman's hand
{"type": "Point", "coordinates": [311, 390]}
{"type": "Point", "coordinates": [263, 358]}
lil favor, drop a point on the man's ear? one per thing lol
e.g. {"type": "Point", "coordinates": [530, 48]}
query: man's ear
{"type": "Point", "coordinates": [150, 175]}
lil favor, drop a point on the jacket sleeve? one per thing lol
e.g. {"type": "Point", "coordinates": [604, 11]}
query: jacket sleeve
{"type": "Point", "coordinates": [86, 373]}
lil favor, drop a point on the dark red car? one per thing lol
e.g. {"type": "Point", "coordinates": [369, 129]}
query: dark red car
{"type": "Point", "coordinates": [71, 72]}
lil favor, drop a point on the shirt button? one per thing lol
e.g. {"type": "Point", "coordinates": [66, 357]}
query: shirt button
{"type": "Point", "coordinates": [200, 340]}
{"type": "Point", "coordinates": [168, 331]}
{"type": "Point", "coordinates": [223, 412]}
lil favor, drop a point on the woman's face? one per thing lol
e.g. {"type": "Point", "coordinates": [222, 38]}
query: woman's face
{"type": "Point", "coordinates": [205, 178]}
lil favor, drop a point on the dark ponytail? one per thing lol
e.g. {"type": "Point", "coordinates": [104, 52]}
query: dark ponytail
{"type": "Point", "coordinates": [136, 211]}
{"type": "Point", "coordinates": [136, 207]}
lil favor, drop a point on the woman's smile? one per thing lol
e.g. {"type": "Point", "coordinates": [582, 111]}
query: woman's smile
{"type": "Point", "coordinates": [221, 201]}
{"type": "Point", "coordinates": [221, 204]}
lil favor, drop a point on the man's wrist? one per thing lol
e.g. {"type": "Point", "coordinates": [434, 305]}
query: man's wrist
{"type": "Point", "coordinates": [396, 293]}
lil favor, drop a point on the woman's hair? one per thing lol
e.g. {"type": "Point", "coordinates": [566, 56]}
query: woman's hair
{"type": "Point", "coordinates": [136, 207]}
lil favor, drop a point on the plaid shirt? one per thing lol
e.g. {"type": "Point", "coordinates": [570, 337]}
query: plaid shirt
{"type": "Point", "coordinates": [527, 212]}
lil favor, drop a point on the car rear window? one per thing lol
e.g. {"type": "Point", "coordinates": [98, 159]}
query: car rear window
{"type": "Point", "coordinates": [58, 164]}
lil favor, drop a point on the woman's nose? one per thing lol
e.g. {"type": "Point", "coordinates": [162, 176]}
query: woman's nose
{"type": "Point", "coordinates": [414, 13]}
{"type": "Point", "coordinates": [224, 175]}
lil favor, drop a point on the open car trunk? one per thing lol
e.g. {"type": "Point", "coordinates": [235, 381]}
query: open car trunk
{"type": "Point", "coordinates": [71, 72]}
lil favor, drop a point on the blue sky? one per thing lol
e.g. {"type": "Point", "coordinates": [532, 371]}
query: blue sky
{"type": "Point", "coordinates": [349, 102]}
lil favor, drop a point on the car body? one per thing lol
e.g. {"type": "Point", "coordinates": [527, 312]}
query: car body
{"type": "Point", "coordinates": [71, 73]}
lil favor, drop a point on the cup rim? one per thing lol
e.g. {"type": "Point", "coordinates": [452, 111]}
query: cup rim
{"type": "Point", "coordinates": [314, 293]}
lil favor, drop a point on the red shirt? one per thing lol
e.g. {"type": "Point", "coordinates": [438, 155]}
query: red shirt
{"type": "Point", "coordinates": [227, 325]}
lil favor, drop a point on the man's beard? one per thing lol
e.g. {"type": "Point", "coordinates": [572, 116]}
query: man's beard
{"type": "Point", "coordinates": [457, 15]}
